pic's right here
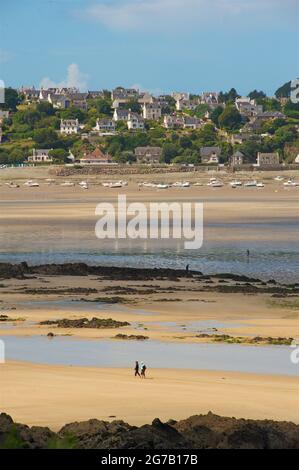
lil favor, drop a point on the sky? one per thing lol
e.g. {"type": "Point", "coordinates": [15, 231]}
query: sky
{"type": "Point", "coordinates": [155, 45]}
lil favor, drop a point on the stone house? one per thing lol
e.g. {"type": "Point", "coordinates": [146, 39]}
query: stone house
{"type": "Point", "coordinates": [69, 126]}
{"type": "Point", "coordinates": [148, 154]}
{"type": "Point", "coordinates": [152, 111]}
{"type": "Point", "coordinates": [135, 122]}
{"type": "Point", "coordinates": [237, 159]}
{"type": "Point", "coordinates": [97, 157]}
{"type": "Point", "coordinates": [40, 156]}
{"type": "Point", "coordinates": [210, 154]}
{"type": "Point", "coordinates": [267, 159]}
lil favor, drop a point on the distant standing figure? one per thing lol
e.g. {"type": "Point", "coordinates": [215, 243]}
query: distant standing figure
{"type": "Point", "coordinates": [248, 254]}
{"type": "Point", "coordinates": [187, 268]}
{"type": "Point", "coordinates": [143, 369]}
{"type": "Point", "coordinates": [137, 369]}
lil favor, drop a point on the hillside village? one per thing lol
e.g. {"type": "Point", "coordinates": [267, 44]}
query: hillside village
{"type": "Point", "coordinates": [126, 126]}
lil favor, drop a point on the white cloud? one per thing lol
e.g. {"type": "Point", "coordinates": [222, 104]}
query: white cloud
{"type": "Point", "coordinates": [74, 78]}
{"type": "Point", "coordinates": [150, 15]}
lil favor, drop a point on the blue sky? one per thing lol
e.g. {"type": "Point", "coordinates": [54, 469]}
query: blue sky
{"type": "Point", "coordinates": [159, 45]}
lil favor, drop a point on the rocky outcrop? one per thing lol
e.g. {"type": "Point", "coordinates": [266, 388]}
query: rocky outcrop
{"type": "Point", "coordinates": [22, 270]}
{"type": "Point", "coordinates": [100, 323]}
{"type": "Point", "coordinates": [197, 432]}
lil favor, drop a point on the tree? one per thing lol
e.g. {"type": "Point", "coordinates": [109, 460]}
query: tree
{"type": "Point", "coordinates": [45, 108]}
{"type": "Point", "coordinates": [253, 95]}
{"type": "Point", "coordinates": [46, 138]}
{"type": "Point", "coordinates": [169, 152]}
{"type": "Point", "coordinates": [134, 106]}
{"type": "Point", "coordinates": [229, 97]}
{"type": "Point", "coordinates": [103, 106]}
{"type": "Point", "coordinates": [60, 155]}
{"type": "Point", "coordinates": [73, 113]}
{"type": "Point", "coordinates": [284, 91]}
{"type": "Point", "coordinates": [11, 98]}
{"type": "Point", "coordinates": [215, 115]}
{"type": "Point", "coordinates": [230, 119]}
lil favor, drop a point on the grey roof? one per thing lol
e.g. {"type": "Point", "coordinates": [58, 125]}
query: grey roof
{"type": "Point", "coordinates": [238, 154]}
{"type": "Point", "coordinates": [145, 150]}
{"type": "Point", "coordinates": [206, 151]}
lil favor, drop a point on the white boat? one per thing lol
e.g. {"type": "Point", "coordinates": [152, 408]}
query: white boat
{"type": "Point", "coordinates": [31, 184]}
{"type": "Point", "coordinates": [251, 184]}
{"type": "Point", "coordinates": [162, 186]}
{"type": "Point", "coordinates": [235, 184]}
{"type": "Point", "coordinates": [279, 178]}
{"type": "Point", "coordinates": [181, 184]}
{"type": "Point", "coordinates": [67, 184]}
{"type": "Point", "coordinates": [215, 184]}
{"type": "Point", "coordinates": [83, 185]}
{"type": "Point", "coordinates": [290, 184]}
{"type": "Point", "coordinates": [260, 185]}
{"type": "Point", "coordinates": [117, 184]}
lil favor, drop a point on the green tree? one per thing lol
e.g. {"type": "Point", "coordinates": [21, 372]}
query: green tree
{"type": "Point", "coordinates": [284, 91]}
{"type": "Point", "coordinates": [253, 95]}
{"type": "Point", "coordinates": [215, 115]}
{"type": "Point", "coordinates": [169, 152]}
{"type": "Point", "coordinates": [12, 99]}
{"type": "Point", "coordinates": [230, 119]}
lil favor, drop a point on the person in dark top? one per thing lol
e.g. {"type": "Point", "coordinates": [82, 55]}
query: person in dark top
{"type": "Point", "coordinates": [187, 268]}
{"type": "Point", "coordinates": [137, 369]}
{"type": "Point", "coordinates": [143, 369]}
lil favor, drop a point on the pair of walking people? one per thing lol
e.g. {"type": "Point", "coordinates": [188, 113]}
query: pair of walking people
{"type": "Point", "coordinates": [140, 369]}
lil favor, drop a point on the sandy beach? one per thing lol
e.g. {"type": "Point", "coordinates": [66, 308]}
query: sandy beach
{"type": "Point", "coordinates": [53, 395]}
{"type": "Point", "coordinates": [54, 219]}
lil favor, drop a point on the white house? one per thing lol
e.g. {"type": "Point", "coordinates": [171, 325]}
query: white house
{"type": "Point", "coordinates": [135, 122]}
{"type": "Point", "coordinates": [105, 124]}
{"type": "Point", "coordinates": [121, 114]}
{"type": "Point", "coordinates": [69, 126]}
{"type": "Point", "coordinates": [40, 156]}
{"type": "Point", "coordinates": [152, 111]}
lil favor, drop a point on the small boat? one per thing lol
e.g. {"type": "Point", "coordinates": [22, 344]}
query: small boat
{"type": "Point", "coordinates": [290, 184]}
{"type": "Point", "coordinates": [215, 183]}
{"type": "Point", "coordinates": [31, 184]}
{"type": "Point", "coordinates": [260, 185]}
{"type": "Point", "coordinates": [83, 185]}
{"type": "Point", "coordinates": [12, 185]}
{"type": "Point", "coordinates": [117, 184]}
{"type": "Point", "coordinates": [250, 184]}
{"type": "Point", "coordinates": [197, 184]}
{"type": "Point", "coordinates": [180, 184]}
{"type": "Point", "coordinates": [235, 184]}
{"type": "Point", "coordinates": [162, 186]}
{"type": "Point", "coordinates": [67, 184]}
{"type": "Point", "coordinates": [279, 178]}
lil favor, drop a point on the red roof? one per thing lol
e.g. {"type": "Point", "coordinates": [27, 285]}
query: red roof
{"type": "Point", "coordinates": [97, 154]}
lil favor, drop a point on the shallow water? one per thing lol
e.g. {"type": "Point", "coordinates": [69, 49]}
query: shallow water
{"type": "Point", "coordinates": [268, 259]}
{"type": "Point", "coordinates": [113, 353]}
